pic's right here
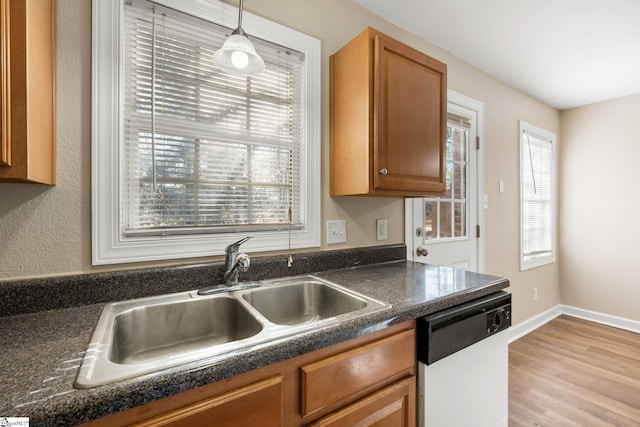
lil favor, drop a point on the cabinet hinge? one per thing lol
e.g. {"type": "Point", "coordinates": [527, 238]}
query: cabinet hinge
{"type": "Point", "coordinates": [478, 231]}
{"type": "Point", "coordinates": [477, 142]}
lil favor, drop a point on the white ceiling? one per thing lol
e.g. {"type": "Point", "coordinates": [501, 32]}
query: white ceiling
{"type": "Point", "coordinates": [566, 53]}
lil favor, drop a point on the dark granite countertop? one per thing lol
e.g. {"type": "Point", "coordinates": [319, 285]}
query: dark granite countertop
{"type": "Point", "coordinates": [40, 352]}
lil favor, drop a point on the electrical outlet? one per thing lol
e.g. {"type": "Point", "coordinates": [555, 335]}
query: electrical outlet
{"type": "Point", "coordinates": [381, 229]}
{"type": "Point", "coordinates": [535, 294]}
{"type": "Point", "coordinates": [336, 232]}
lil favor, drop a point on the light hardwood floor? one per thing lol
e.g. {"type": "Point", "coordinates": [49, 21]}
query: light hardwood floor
{"type": "Point", "coordinates": [571, 372]}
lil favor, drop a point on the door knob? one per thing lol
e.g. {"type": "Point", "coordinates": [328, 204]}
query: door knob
{"type": "Point", "coordinates": [383, 171]}
{"type": "Point", "coordinates": [420, 251]}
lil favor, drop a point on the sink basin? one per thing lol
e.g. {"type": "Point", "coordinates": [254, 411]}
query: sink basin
{"type": "Point", "coordinates": [146, 335]}
{"type": "Point", "coordinates": [149, 333]}
{"type": "Point", "coordinates": [304, 302]}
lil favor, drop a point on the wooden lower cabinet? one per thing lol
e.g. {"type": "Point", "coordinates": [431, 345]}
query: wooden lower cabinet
{"type": "Point", "coordinates": [366, 381]}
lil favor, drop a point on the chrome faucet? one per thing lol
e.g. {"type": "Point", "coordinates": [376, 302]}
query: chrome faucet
{"type": "Point", "coordinates": [235, 263]}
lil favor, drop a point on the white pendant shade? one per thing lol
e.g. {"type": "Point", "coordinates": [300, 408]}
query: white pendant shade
{"type": "Point", "coordinates": [238, 56]}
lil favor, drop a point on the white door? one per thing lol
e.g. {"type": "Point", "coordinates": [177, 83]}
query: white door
{"type": "Point", "coordinates": [447, 230]}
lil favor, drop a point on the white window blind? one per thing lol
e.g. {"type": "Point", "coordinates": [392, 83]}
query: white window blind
{"type": "Point", "coordinates": [537, 154]}
{"type": "Point", "coordinates": [205, 151]}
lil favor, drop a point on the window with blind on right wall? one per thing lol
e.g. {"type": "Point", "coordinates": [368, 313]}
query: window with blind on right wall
{"type": "Point", "coordinates": [537, 196]}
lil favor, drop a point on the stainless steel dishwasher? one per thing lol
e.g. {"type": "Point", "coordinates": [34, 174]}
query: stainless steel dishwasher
{"type": "Point", "coordinates": [463, 367]}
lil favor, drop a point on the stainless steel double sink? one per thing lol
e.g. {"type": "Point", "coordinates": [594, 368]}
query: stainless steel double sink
{"type": "Point", "coordinates": [146, 335]}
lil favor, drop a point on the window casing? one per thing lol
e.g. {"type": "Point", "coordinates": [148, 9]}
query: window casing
{"type": "Point", "coordinates": [537, 197]}
{"type": "Point", "coordinates": [185, 157]}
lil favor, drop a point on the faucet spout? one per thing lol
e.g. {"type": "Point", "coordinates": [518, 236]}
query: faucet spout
{"type": "Point", "coordinates": [232, 253]}
{"type": "Point", "coordinates": [235, 263]}
{"type": "Point", "coordinates": [235, 247]}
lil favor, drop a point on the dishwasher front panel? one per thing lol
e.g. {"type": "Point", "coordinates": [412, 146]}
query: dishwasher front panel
{"type": "Point", "coordinates": [469, 388]}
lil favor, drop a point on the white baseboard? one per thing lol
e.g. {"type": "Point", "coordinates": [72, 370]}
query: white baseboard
{"type": "Point", "coordinates": [532, 323]}
{"type": "Point", "coordinates": [605, 319]}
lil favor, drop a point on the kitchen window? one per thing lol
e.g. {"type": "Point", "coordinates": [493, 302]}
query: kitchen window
{"type": "Point", "coordinates": [537, 197]}
{"type": "Point", "coordinates": [186, 158]}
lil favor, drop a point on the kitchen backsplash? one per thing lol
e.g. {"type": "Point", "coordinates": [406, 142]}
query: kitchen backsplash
{"type": "Point", "coordinates": [32, 295]}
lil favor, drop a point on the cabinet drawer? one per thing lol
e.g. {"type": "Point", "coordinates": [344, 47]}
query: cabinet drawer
{"type": "Point", "coordinates": [257, 404]}
{"type": "Point", "coordinates": [339, 377]}
{"type": "Point", "coordinates": [394, 405]}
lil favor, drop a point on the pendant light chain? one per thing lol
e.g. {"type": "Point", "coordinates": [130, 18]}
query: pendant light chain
{"type": "Point", "coordinates": [240, 8]}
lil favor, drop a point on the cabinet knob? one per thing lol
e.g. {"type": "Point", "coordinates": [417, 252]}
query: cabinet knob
{"type": "Point", "coordinates": [383, 171]}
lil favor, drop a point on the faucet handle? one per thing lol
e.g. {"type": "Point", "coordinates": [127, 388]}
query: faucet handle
{"type": "Point", "coordinates": [235, 247]}
{"type": "Point", "coordinates": [243, 262]}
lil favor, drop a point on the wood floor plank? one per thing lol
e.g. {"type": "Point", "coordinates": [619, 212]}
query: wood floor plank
{"type": "Point", "coordinates": [574, 372]}
{"type": "Point", "coordinates": [565, 393]}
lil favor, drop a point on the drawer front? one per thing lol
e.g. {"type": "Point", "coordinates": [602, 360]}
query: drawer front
{"type": "Point", "coordinates": [394, 405]}
{"type": "Point", "coordinates": [257, 404]}
{"type": "Point", "coordinates": [336, 378]}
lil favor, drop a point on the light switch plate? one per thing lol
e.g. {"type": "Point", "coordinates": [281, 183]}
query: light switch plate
{"type": "Point", "coordinates": [381, 229]}
{"type": "Point", "coordinates": [336, 232]}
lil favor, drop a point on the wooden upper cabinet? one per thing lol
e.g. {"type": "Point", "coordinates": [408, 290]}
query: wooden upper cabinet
{"type": "Point", "coordinates": [28, 72]}
{"type": "Point", "coordinates": [388, 119]}
{"type": "Point", "coordinates": [5, 86]}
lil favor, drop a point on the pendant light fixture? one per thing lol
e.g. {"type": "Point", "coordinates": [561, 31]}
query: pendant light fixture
{"type": "Point", "coordinates": [238, 56]}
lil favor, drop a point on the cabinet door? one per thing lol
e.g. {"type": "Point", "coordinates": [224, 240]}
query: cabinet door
{"type": "Point", "coordinates": [258, 404]}
{"type": "Point", "coordinates": [410, 98]}
{"type": "Point", "coordinates": [5, 116]}
{"type": "Point", "coordinates": [27, 91]}
{"type": "Point", "coordinates": [393, 406]}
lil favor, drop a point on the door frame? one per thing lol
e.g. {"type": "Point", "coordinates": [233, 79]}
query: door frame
{"type": "Point", "coordinates": [464, 101]}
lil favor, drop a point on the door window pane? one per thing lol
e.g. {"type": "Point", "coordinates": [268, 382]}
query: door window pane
{"type": "Point", "coordinates": [446, 216]}
{"type": "Point", "coordinates": [459, 220]}
{"type": "Point", "coordinates": [430, 220]}
{"type": "Point", "coordinates": [460, 181]}
{"type": "Point", "coordinates": [445, 220]}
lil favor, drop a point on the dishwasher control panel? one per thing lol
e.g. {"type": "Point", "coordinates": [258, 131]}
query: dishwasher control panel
{"type": "Point", "coordinates": [448, 331]}
{"type": "Point", "coordinates": [498, 319]}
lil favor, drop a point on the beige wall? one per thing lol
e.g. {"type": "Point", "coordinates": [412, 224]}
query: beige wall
{"type": "Point", "coordinates": [600, 207]}
{"type": "Point", "coordinates": [47, 231]}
